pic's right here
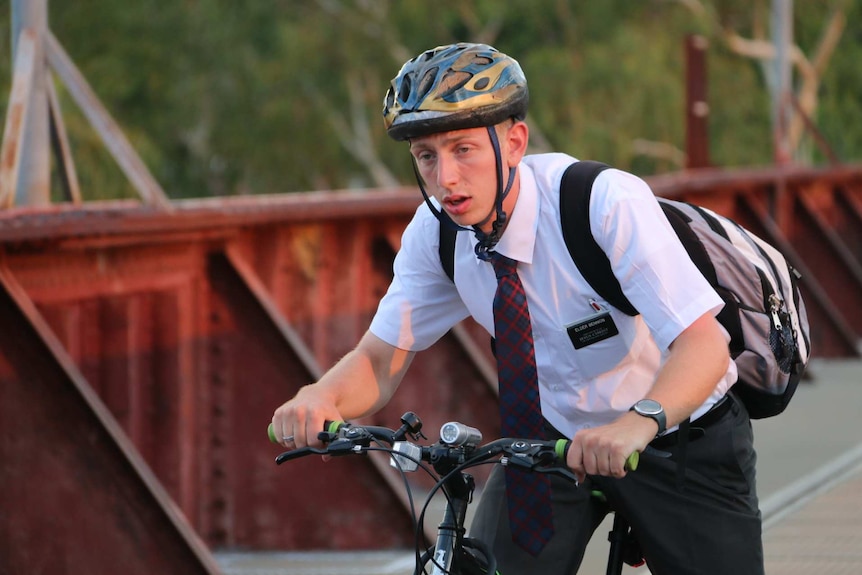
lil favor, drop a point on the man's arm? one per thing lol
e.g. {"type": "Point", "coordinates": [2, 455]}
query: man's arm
{"type": "Point", "coordinates": [362, 382]}
{"type": "Point", "coordinates": [698, 359]}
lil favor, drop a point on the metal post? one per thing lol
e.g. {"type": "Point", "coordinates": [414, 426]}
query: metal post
{"type": "Point", "coordinates": [782, 38]}
{"type": "Point", "coordinates": [697, 106]}
{"type": "Point", "coordinates": [34, 180]}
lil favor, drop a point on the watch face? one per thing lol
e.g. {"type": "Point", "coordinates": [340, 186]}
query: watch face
{"type": "Point", "coordinates": [648, 407]}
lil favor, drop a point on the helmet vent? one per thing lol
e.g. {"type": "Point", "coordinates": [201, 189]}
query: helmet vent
{"type": "Point", "coordinates": [426, 83]}
{"type": "Point", "coordinates": [452, 82]}
{"type": "Point", "coordinates": [404, 92]}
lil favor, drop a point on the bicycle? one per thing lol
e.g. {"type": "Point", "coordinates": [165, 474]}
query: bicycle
{"type": "Point", "coordinates": [458, 449]}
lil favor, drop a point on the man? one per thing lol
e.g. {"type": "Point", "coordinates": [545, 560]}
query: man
{"type": "Point", "coordinates": [461, 109]}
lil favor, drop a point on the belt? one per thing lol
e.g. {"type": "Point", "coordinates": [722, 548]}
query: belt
{"type": "Point", "coordinates": [698, 426]}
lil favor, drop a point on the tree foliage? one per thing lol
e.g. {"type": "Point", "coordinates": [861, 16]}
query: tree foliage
{"type": "Point", "coordinates": [228, 97]}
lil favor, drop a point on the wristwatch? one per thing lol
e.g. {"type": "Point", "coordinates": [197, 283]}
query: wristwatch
{"type": "Point", "coordinates": [652, 409]}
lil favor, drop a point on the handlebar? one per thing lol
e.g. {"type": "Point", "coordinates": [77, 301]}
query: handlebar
{"type": "Point", "coordinates": [459, 446]}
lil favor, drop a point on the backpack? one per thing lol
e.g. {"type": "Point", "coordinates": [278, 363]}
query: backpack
{"type": "Point", "coordinates": [763, 313]}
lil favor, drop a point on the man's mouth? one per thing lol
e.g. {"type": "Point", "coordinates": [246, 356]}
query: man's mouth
{"type": "Point", "coordinates": [456, 205]}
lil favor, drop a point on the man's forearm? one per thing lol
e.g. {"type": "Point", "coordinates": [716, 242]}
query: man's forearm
{"type": "Point", "coordinates": [697, 362]}
{"type": "Point", "coordinates": [364, 380]}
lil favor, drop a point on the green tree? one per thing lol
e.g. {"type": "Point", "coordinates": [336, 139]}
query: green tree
{"type": "Point", "coordinates": [227, 97]}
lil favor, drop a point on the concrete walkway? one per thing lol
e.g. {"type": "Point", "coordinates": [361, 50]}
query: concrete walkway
{"type": "Point", "coordinates": [809, 480]}
{"type": "Point", "coordinates": [810, 467]}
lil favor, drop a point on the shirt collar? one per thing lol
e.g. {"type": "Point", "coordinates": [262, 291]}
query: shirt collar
{"type": "Point", "coordinates": [519, 238]}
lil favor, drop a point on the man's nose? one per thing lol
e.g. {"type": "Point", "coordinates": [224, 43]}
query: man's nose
{"type": "Point", "coordinates": [447, 171]}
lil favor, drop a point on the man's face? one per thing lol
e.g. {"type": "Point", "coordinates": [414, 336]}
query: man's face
{"type": "Point", "coordinates": [459, 170]}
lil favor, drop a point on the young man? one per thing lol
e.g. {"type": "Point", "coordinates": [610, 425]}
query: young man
{"type": "Point", "coordinates": [461, 109]}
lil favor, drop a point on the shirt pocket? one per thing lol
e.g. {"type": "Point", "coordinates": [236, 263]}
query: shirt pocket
{"type": "Point", "coordinates": [600, 346]}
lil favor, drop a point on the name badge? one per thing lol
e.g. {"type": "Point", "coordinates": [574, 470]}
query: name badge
{"type": "Point", "coordinates": [593, 329]}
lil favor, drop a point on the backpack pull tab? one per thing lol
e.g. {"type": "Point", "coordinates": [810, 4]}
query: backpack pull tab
{"type": "Point", "coordinates": [775, 304]}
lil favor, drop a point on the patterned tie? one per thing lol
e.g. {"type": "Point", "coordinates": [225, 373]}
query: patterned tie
{"type": "Point", "coordinates": [528, 493]}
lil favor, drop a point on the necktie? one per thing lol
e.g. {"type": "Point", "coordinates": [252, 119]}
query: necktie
{"type": "Point", "coordinates": [528, 493]}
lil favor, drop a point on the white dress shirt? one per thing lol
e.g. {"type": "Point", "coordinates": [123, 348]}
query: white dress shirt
{"type": "Point", "coordinates": [583, 387]}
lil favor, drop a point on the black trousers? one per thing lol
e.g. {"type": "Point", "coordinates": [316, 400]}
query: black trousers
{"type": "Point", "coordinates": [707, 524]}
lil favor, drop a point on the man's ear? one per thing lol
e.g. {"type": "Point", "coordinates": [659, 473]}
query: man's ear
{"type": "Point", "coordinates": [517, 136]}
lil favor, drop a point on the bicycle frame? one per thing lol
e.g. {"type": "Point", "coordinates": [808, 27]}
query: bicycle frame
{"type": "Point", "coordinates": [450, 532]}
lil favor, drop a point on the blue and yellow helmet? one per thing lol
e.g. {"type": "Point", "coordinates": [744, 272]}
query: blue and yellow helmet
{"type": "Point", "coordinates": [454, 87]}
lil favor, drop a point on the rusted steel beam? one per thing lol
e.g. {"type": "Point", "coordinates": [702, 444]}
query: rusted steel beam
{"type": "Point", "coordinates": [846, 218]}
{"type": "Point", "coordinates": [253, 502]}
{"type": "Point", "coordinates": [62, 149]}
{"type": "Point", "coordinates": [696, 184]}
{"type": "Point", "coordinates": [76, 496]}
{"type": "Point", "coordinates": [831, 333]}
{"type": "Point", "coordinates": [99, 117]}
{"type": "Point", "coordinates": [129, 222]}
{"type": "Point", "coordinates": [837, 260]}
{"type": "Point", "coordinates": [259, 292]}
{"type": "Point", "coordinates": [11, 153]}
{"type": "Point", "coordinates": [696, 102]}
{"type": "Point", "coordinates": [193, 326]}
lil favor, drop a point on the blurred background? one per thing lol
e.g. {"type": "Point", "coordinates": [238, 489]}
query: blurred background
{"type": "Point", "coordinates": [224, 97]}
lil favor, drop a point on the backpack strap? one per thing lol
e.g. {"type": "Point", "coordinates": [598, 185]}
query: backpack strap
{"type": "Point", "coordinates": [575, 190]}
{"type": "Point", "coordinates": [448, 234]}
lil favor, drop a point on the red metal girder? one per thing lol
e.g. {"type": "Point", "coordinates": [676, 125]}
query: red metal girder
{"type": "Point", "coordinates": [193, 326]}
{"type": "Point", "coordinates": [696, 102]}
{"type": "Point", "coordinates": [846, 218]}
{"type": "Point", "coordinates": [131, 221]}
{"type": "Point", "coordinates": [831, 258]}
{"type": "Point", "coordinates": [76, 497]}
{"type": "Point", "coordinates": [255, 503]}
{"type": "Point", "coordinates": [831, 334]}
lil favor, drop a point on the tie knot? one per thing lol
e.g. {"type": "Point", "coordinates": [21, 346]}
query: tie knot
{"type": "Point", "coordinates": [503, 266]}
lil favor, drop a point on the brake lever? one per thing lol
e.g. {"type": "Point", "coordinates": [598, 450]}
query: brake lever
{"type": "Point", "coordinates": [345, 447]}
{"type": "Point", "coordinates": [563, 472]}
{"type": "Point", "coordinates": [335, 449]}
{"type": "Point", "coordinates": [657, 452]}
{"type": "Point", "coordinates": [296, 453]}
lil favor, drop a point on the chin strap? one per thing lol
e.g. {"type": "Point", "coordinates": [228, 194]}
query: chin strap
{"type": "Point", "coordinates": [486, 242]}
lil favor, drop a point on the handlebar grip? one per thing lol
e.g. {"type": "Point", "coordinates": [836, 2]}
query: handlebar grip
{"type": "Point", "coordinates": [562, 448]}
{"type": "Point", "coordinates": [333, 426]}
{"type": "Point", "coordinates": [328, 426]}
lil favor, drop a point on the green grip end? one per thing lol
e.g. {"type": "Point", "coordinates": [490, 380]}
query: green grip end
{"type": "Point", "coordinates": [330, 427]}
{"type": "Point", "coordinates": [562, 446]}
{"type": "Point", "coordinates": [560, 449]}
{"type": "Point", "coordinates": [632, 461]}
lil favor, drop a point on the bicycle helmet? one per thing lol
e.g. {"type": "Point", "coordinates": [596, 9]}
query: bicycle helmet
{"type": "Point", "coordinates": [454, 87]}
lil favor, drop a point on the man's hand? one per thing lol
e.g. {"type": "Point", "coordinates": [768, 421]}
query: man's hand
{"type": "Point", "coordinates": [297, 422]}
{"type": "Point", "coordinates": [359, 384]}
{"type": "Point", "coordinates": [604, 450]}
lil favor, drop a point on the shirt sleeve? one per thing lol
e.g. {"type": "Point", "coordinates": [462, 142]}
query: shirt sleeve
{"type": "Point", "coordinates": [422, 303]}
{"type": "Point", "coordinates": [648, 259]}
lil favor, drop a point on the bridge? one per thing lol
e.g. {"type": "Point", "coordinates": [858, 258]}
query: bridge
{"type": "Point", "coordinates": [146, 343]}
